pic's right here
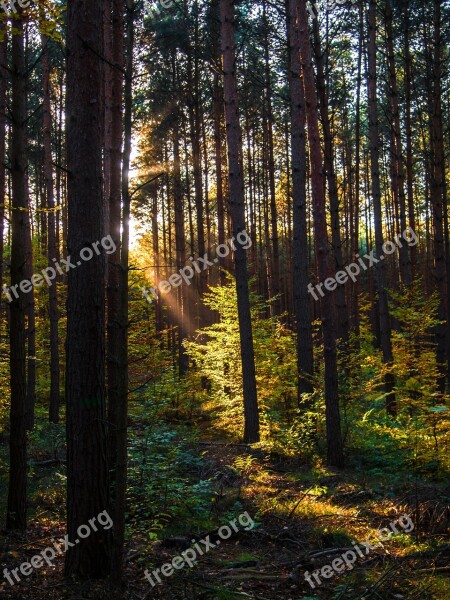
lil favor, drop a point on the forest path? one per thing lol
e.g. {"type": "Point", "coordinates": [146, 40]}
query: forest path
{"type": "Point", "coordinates": [305, 517]}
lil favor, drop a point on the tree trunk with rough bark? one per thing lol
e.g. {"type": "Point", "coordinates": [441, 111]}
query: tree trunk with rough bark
{"type": "Point", "coordinates": [3, 92]}
{"type": "Point", "coordinates": [397, 167]}
{"type": "Point", "coordinates": [87, 464]}
{"type": "Point", "coordinates": [16, 512]}
{"type": "Point", "coordinates": [305, 358]}
{"type": "Point", "coordinates": [374, 142]}
{"type": "Point", "coordinates": [121, 424]}
{"type": "Point", "coordinates": [342, 323]}
{"type": "Point", "coordinates": [237, 197]}
{"type": "Point", "coordinates": [51, 235]}
{"type": "Point", "coordinates": [335, 455]}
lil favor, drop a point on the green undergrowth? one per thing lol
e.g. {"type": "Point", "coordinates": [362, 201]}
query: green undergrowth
{"type": "Point", "coordinates": [172, 487]}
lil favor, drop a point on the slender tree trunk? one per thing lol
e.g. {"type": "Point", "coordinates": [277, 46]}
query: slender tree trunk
{"type": "Point", "coordinates": [113, 170]}
{"type": "Point", "coordinates": [374, 142]}
{"type": "Point", "coordinates": [3, 91]}
{"type": "Point", "coordinates": [251, 194]}
{"type": "Point", "coordinates": [121, 426]}
{"type": "Point", "coordinates": [342, 328]}
{"type": "Point", "coordinates": [218, 118]}
{"type": "Point", "coordinates": [398, 176]}
{"type": "Point", "coordinates": [180, 238]}
{"type": "Point", "coordinates": [236, 185]}
{"type": "Point", "coordinates": [51, 237]}
{"type": "Point", "coordinates": [108, 90]}
{"type": "Point", "coordinates": [195, 132]}
{"type": "Point", "coordinates": [156, 254]}
{"type": "Point", "coordinates": [288, 230]}
{"type": "Point", "coordinates": [305, 358]}
{"type": "Point", "coordinates": [438, 198]}
{"type": "Point", "coordinates": [356, 216]}
{"type": "Point", "coordinates": [116, 326]}
{"type": "Point", "coordinates": [335, 454]}
{"type": "Point", "coordinates": [409, 158]}
{"type": "Point", "coordinates": [275, 250]}
{"type": "Point", "coordinates": [16, 514]}
{"type": "Point", "coordinates": [31, 325]}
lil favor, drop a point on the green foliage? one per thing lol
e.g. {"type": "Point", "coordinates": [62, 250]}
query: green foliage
{"type": "Point", "coordinates": [216, 356]}
{"type": "Point", "coordinates": [47, 439]}
{"type": "Point", "coordinates": [165, 482]}
{"type": "Point", "coordinates": [418, 440]}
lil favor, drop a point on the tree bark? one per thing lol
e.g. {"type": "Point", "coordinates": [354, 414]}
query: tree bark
{"type": "Point", "coordinates": [274, 266]}
{"type": "Point", "coordinates": [438, 199]}
{"type": "Point", "coordinates": [342, 328]}
{"type": "Point", "coordinates": [374, 142]}
{"type": "Point", "coordinates": [335, 455]}
{"type": "Point", "coordinates": [113, 169]}
{"type": "Point", "coordinates": [305, 358]}
{"type": "Point", "coordinates": [398, 175]}
{"type": "Point", "coordinates": [356, 212]}
{"type": "Point", "coordinates": [51, 235]}
{"type": "Point", "coordinates": [16, 515]}
{"type": "Point", "coordinates": [31, 325]}
{"type": "Point", "coordinates": [236, 186]}
{"type": "Point", "coordinates": [3, 91]}
{"type": "Point", "coordinates": [121, 425]}
{"type": "Point", "coordinates": [218, 118]}
{"type": "Point", "coordinates": [87, 464]}
{"type": "Point", "coordinates": [180, 238]}
{"type": "Point", "coordinates": [408, 128]}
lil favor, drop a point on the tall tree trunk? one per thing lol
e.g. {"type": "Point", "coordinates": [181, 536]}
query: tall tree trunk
{"type": "Point", "coordinates": [121, 425]}
{"type": "Point", "coordinates": [16, 515]}
{"type": "Point", "coordinates": [374, 142]}
{"type": "Point", "coordinates": [180, 238]}
{"type": "Point", "coordinates": [342, 328]}
{"type": "Point", "coordinates": [31, 325]}
{"type": "Point", "coordinates": [87, 464]}
{"type": "Point", "coordinates": [335, 456]}
{"type": "Point", "coordinates": [409, 158]}
{"type": "Point", "coordinates": [3, 90]}
{"type": "Point", "coordinates": [218, 118]}
{"type": "Point", "coordinates": [51, 236]}
{"type": "Point", "coordinates": [194, 112]}
{"type": "Point", "coordinates": [398, 175]}
{"type": "Point", "coordinates": [156, 254]}
{"type": "Point", "coordinates": [438, 197]}
{"type": "Point", "coordinates": [108, 90]}
{"type": "Point", "coordinates": [356, 215]}
{"type": "Point", "coordinates": [274, 266]}
{"type": "Point", "coordinates": [237, 196]}
{"type": "Point", "coordinates": [305, 358]}
{"type": "Point", "coordinates": [113, 170]}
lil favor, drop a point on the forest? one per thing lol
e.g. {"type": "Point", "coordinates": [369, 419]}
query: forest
{"type": "Point", "coordinates": [225, 299]}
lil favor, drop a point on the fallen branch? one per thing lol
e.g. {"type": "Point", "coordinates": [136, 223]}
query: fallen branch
{"type": "Point", "coordinates": [298, 503]}
{"type": "Point", "coordinates": [329, 551]}
{"type": "Point", "coordinates": [260, 576]}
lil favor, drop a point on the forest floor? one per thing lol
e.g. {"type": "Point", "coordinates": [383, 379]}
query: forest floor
{"type": "Point", "coordinates": [305, 517]}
